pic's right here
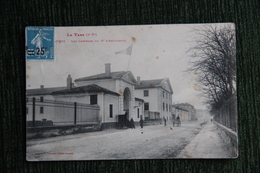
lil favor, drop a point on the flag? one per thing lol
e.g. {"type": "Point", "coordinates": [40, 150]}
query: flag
{"type": "Point", "coordinates": [127, 51]}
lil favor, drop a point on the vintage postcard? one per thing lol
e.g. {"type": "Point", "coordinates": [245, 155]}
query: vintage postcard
{"type": "Point", "coordinates": [131, 92]}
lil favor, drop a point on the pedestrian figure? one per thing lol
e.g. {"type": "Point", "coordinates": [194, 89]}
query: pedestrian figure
{"type": "Point", "coordinates": [141, 122]}
{"type": "Point", "coordinates": [164, 119]}
{"type": "Point", "coordinates": [132, 123]}
{"type": "Point", "coordinates": [178, 121]}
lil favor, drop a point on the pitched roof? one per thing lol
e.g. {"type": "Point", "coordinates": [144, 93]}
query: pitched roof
{"type": "Point", "coordinates": [113, 75]}
{"type": "Point", "coordinates": [176, 107]}
{"type": "Point", "coordinates": [85, 89]}
{"type": "Point", "coordinates": [43, 91]}
{"type": "Point", "coordinates": [149, 83]}
{"type": "Point", "coordinates": [183, 104]}
{"type": "Point", "coordinates": [139, 99]}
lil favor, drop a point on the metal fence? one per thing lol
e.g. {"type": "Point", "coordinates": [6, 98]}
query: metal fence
{"type": "Point", "coordinates": [52, 112]}
{"type": "Point", "coordinates": [227, 115]}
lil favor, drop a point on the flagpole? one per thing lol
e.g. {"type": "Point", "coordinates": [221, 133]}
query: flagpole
{"type": "Point", "coordinates": [127, 51]}
{"type": "Point", "coordinates": [130, 57]}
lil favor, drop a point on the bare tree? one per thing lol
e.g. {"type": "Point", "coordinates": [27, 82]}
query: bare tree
{"type": "Point", "coordinates": [214, 63]}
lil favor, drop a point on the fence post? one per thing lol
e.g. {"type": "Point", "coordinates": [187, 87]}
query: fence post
{"type": "Point", "coordinates": [33, 112]}
{"type": "Point", "coordinates": [75, 113]}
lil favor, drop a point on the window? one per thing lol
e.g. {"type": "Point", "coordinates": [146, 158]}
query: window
{"type": "Point", "coordinates": [166, 107]}
{"type": "Point", "coordinates": [41, 110]}
{"type": "Point", "coordinates": [146, 106]}
{"type": "Point", "coordinates": [27, 110]}
{"type": "Point", "coordinates": [163, 93]}
{"type": "Point", "coordinates": [146, 93]}
{"type": "Point", "coordinates": [166, 95]}
{"type": "Point", "coordinates": [41, 99]}
{"type": "Point", "coordinates": [138, 113]}
{"type": "Point", "coordinates": [163, 107]}
{"type": "Point", "coordinates": [110, 111]}
{"type": "Point", "coordinates": [93, 99]}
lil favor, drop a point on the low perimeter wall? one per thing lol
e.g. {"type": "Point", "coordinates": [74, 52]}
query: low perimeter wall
{"type": "Point", "coordinates": [52, 131]}
{"type": "Point", "coordinates": [230, 139]}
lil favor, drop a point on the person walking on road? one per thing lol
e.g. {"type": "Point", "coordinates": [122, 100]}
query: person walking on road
{"type": "Point", "coordinates": [178, 121]}
{"type": "Point", "coordinates": [164, 119]}
{"type": "Point", "coordinates": [141, 122]}
{"type": "Point", "coordinates": [132, 123]}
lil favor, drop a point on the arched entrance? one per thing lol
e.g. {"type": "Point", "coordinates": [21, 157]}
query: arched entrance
{"type": "Point", "coordinates": [126, 101]}
{"type": "Point", "coordinates": [124, 119]}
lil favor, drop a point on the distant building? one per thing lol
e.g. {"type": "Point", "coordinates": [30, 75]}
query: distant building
{"type": "Point", "coordinates": [178, 111]}
{"type": "Point", "coordinates": [157, 96]}
{"type": "Point", "coordinates": [181, 108]}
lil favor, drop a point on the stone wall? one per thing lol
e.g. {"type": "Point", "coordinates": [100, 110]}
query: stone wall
{"type": "Point", "coordinates": [230, 139]}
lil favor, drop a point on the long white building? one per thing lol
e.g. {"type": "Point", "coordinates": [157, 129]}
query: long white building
{"type": "Point", "coordinates": [110, 98]}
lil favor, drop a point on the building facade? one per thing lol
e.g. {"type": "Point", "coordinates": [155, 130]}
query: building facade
{"type": "Point", "coordinates": [181, 108]}
{"type": "Point", "coordinates": [157, 96]}
{"type": "Point", "coordinates": [122, 82]}
{"type": "Point", "coordinates": [178, 111]}
{"type": "Point", "coordinates": [110, 98]}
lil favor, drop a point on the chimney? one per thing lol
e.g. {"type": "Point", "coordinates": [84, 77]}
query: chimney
{"type": "Point", "coordinates": [138, 80]}
{"type": "Point", "coordinates": [42, 86]}
{"type": "Point", "coordinates": [107, 69]}
{"type": "Point", "coordinates": [69, 82]}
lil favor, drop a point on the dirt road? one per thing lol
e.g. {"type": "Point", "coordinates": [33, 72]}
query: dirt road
{"type": "Point", "coordinates": [150, 142]}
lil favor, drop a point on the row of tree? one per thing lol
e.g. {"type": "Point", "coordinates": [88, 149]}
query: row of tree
{"type": "Point", "coordinates": [214, 63]}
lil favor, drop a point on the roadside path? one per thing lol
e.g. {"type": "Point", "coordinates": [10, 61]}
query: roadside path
{"type": "Point", "coordinates": [207, 144]}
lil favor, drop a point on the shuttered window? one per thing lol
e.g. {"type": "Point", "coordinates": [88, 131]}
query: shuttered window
{"type": "Point", "coordinates": [93, 99]}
